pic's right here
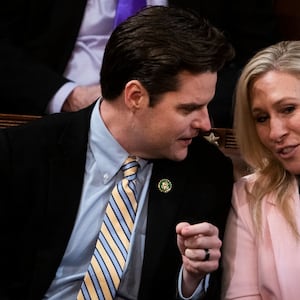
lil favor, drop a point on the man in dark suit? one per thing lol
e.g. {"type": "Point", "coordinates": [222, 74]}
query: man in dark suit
{"type": "Point", "coordinates": [158, 76]}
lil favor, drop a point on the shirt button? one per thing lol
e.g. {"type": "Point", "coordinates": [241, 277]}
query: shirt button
{"type": "Point", "coordinates": [105, 177]}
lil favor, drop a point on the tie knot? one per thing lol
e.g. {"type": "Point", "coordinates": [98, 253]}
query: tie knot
{"type": "Point", "coordinates": [130, 167]}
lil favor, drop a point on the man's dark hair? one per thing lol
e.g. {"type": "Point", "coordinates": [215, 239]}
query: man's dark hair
{"type": "Point", "coordinates": [158, 43]}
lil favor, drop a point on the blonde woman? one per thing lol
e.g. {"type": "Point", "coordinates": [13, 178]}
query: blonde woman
{"type": "Point", "coordinates": [261, 252]}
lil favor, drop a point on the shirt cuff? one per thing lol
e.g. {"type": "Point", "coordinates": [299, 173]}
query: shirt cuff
{"type": "Point", "coordinates": [56, 103]}
{"type": "Point", "coordinates": [200, 290]}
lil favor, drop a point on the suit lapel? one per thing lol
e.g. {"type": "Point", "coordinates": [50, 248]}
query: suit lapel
{"type": "Point", "coordinates": [66, 172]}
{"type": "Point", "coordinates": [286, 249]}
{"type": "Point", "coordinates": [162, 209]}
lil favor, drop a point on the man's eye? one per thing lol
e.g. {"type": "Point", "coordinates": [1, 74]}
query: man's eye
{"type": "Point", "coordinates": [188, 110]}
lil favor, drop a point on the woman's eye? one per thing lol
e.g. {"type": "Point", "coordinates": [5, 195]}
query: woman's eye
{"type": "Point", "coordinates": [289, 109]}
{"type": "Point", "coordinates": [260, 119]}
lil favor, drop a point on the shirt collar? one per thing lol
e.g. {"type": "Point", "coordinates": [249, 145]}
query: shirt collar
{"type": "Point", "coordinates": [108, 153]}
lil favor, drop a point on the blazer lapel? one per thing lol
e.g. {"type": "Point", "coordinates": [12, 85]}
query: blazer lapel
{"type": "Point", "coordinates": [286, 249]}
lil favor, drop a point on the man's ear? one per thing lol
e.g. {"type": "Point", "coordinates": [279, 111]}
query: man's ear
{"type": "Point", "coordinates": [135, 94]}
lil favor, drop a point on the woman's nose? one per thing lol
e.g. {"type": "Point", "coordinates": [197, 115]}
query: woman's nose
{"type": "Point", "coordinates": [277, 130]}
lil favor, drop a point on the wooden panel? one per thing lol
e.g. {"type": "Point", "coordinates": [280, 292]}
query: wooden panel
{"type": "Point", "coordinates": [9, 120]}
{"type": "Point", "coordinates": [224, 138]}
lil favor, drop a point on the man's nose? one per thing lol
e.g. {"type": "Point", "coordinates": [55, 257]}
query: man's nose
{"type": "Point", "coordinates": [202, 120]}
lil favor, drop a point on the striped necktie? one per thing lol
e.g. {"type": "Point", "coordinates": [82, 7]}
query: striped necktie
{"type": "Point", "coordinates": [104, 274]}
{"type": "Point", "coordinates": [127, 8]}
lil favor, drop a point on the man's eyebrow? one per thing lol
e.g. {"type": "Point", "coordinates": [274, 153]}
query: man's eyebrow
{"type": "Point", "coordinates": [190, 106]}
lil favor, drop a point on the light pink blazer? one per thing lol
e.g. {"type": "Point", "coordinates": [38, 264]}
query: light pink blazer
{"type": "Point", "coordinates": [260, 268]}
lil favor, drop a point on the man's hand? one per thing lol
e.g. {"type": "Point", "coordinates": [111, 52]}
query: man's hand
{"type": "Point", "coordinates": [199, 245]}
{"type": "Point", "coordinates": [81, 96]}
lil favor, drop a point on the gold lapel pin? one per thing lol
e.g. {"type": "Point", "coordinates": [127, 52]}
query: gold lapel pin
{"type": "Point", "coordinates": [165, 185]}
{"type": "Point", "coordinates": [212, 138]}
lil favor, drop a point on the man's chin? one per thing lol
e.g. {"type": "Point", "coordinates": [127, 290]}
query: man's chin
{"type": "Point", "coordinates": [180, 155]}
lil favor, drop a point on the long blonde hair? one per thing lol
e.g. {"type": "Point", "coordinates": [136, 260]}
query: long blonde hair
{"type": "Point", "coordinates": [271, 175]}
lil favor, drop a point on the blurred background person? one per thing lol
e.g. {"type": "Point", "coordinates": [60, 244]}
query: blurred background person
{"type": "Point", "coordinates": [51, 53]}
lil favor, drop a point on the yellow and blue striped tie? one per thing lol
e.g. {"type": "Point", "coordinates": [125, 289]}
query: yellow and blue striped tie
{"type": "Point", "coordinates": [106, 267]}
